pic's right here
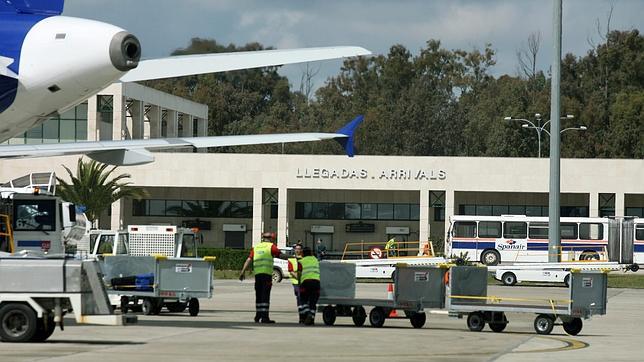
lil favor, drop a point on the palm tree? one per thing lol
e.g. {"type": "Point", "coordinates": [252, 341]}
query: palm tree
{"type": "Point", "coordinates": [93, 188]}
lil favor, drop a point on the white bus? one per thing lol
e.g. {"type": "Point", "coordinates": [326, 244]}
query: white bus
{"type": "Point", "coordinates": [518, 238]}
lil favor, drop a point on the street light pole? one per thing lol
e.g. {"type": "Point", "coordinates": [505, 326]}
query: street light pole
{"type": "Point", "coordinates": [554, 234]}
{"type": "Point", "coordinates": [542, 127]}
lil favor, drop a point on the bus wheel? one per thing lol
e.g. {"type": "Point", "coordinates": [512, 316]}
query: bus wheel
{"type": "Point", "coordinates": [509, 278]}
{"type": "Point", "coordinates": [490, 257]}
{"type": "Point", "coordinates": [589, 255]}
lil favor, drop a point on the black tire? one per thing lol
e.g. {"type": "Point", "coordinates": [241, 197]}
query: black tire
{"type": "Point", "coordinates": [544, 324]}
{"type": "Point", "coordinates": [491, 257]}
{"type": "Point", "coordinates": [193, 307]}
{"type": "Point", "coordinates": [418, 319]}
{"type": "Point", "coordinates": [359, 316]}
{"type": "Point", "coordinates": [497, 327]}
{"type": "Point", "coordinates": [125, 302]}
{"type": "Point", "coordinates": [377, 317]}
{"type": "Point", "coordinates": [589, 255]}
{"type": "Point", "coordinates": [567, 281]}
{"type": "Point", "coordinates": [18, 323]}
{"type": "Point", "coordinates": [176, 307]}
{"type": "Point", "coordinates": [509, 278]}
{"type": "Point", "coordinates": [277, 275]}
{"type": "Point", "coordinates": [475, 321]}
{"type": "Point", "coordinates": [573, 326]}
{"type": "Point", "coordinates": [148, 306]}
{"type": "Point", "coordinates": [328, 315]}
{"type": "Point", "coordinates": [45, 329]}
{"type": "Point", "coordinates": [635, 267]}
{"type": "Point", "coordinates": [158, 305]}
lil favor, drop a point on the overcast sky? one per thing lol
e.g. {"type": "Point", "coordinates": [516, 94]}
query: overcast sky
{"type": "Point", "coordinates": [163, 25]}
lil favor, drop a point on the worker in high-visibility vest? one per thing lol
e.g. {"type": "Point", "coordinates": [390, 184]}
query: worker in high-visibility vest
{"type": "Point", "coordinates": [391, 246]}
{"type": "Point", "coordinates": [261, 256]}
{"type": "Point", "coordinates": [309, 285]}
{"type": "Point", "coordinates": [293, 270]}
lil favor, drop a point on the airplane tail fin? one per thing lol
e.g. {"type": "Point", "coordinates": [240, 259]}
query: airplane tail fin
{"type": "Point", "coordinates": [349, 130]}
{"type": "Point", "coordinates": [39, 7]}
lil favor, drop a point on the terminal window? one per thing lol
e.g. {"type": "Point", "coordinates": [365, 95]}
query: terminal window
{"type": "Point", "coordinates": [193, 208]}
{"type": "Point", "coordinates": [356, 211]}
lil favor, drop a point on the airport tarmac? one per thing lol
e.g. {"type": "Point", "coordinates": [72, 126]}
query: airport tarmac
{"type": "Point", "coordinates": [224, 331]}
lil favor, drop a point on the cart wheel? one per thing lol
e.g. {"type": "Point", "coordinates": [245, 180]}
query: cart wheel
{"type": "Point", "coordinates": [18, 323]}
{"type": "Point", "coordinates": [509, 279]}
{"type": "Point", "coordinates": [193, 307]}
{"type": "Point", "coordinates": [475, 321]}
{"type": "Point", "coordinates": [125, 302]}
{"type": "Point", "coordinates": [497, 326]}
{"type": "Point", "coordinates": [148, 306]}
{"type": "Point", "coordinates": [359, 316]}
{"type": "Point", "coordinates": [573, 326]}
{"type": "Point", "coordinates": [635, 268]}
{"type": "Point", "coordinates": [418, 319]}
{"type": "Point", "coordinates": [543, 324]}
{"type": "Point", "coordinates": [328, 315]}
{"type": "Point", "coordinates": [176, 307]}
{"type": "Point", "coordinates": [45, 329]}
{"type": "Point", "coordinates": [158, 305]}
{"type": "Point", "coordinates": [377, 317]}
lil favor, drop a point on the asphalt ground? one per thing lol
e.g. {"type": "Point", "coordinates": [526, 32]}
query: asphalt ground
{"type": "Point", "coordinates": [224, 331]}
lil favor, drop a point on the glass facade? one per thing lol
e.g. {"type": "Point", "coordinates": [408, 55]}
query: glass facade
{"type": "Point", "coordinates": [193, 208]}
{"type": "Point", "coordinates": [356, 211]}
{"type": "Point", "coordinates": [528, 210]}
{"type": "Point", "coordinates": [71, 126]}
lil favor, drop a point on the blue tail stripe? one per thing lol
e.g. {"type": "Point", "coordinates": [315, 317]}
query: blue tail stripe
{"type": "Point", "coordinates": [39, 7]}
{"type": "Point", "coordinates": [349, 130]}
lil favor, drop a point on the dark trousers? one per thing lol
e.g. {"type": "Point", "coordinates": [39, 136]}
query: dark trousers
{"type": "Point", "coordinates": [309, 295]}
{"type": "Point", "coordinates": [298, 300]}
{"type": "Point", "coordinates": [263, 285]}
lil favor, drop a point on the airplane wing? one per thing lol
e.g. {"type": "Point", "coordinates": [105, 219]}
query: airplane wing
{"type": "Point", "coordinates": [136, 152]}
{"type": "Point", "coordinates": [179, 66]}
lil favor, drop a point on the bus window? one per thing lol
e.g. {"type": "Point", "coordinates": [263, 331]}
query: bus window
{"type": "Point", "coordinates": [568, 230]}
{"type": "Point", "coordinates": [538, 230]}
{"type": "Point", "coordinates": [465, 229]}
{"type": "Point", "coordinates": [489, 229]}
{"type": "Point", "coordinates": [121, 246]}
{"type": "Point", "coordinates": [105, 244]}
{"type": "Point", "coordinates": [591, 231]}
{"type": "Point", "coordinates": [639, 232]}
{"type": "Point", "coordinates": [515, 230]}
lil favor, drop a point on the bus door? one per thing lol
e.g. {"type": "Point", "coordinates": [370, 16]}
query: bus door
{"type": "Point", "coordinates": [514, 244]}
{"type": "Point", "coordinates": [463, 240]}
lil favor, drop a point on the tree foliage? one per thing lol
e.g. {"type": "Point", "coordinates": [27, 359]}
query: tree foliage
{"type": "Point", "coordinates": [438, 102]}
{"type": "Point", "coordinates": [95, 187]}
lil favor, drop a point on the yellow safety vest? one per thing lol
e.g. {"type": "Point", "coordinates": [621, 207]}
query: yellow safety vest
{"type": "Point", "coordinates": [263, 259]}
{"type": "Point", "coordinates": [293, 262]}
{"type": "Point", "coordinates": [310, 268]}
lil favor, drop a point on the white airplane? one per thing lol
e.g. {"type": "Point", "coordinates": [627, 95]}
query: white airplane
{"type": "Point", "coordinates": [49, 63]}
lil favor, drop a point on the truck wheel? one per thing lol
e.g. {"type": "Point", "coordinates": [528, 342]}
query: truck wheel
{"type": "Point", "coordinates": [573, 327]}
{"type": "Point", "coordinates": [277, 275]}
{"type": "Point", "coordinates": [359, 316]}
{"type": "Point", "coordinates": [497, 326]}
{"type": "Point", "coordinates": [328, 315]}
{"type": "Point", "coordinates": [509, 278]}
{"type": "Point", "coordinates": [193, 307]}
{"type": "Point", "coordinates": [18, 323]}
{"type": "Point", "coordinates": [418, 319]}
{"type": "Point", "coordinates": [176, 307]}
{"type": "Point", "coordinates": [543, 324]}
{"type": "Point", "coordinates": [490, 257]}
{"type": "Point", "coordinates": [148, 306]}
{"type": "Point", "coordinates": [377, 317]}
{"type": "Point", "coordinates": [45, 329]}
{"type": "Point", "coordinates": [475, 321]}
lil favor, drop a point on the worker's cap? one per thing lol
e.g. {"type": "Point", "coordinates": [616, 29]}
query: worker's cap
{"type": "Point", "coordinates": [268, 236]}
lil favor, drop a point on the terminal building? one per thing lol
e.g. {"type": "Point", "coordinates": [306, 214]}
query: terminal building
{"type": "Point", "coordinates": [233, 198]}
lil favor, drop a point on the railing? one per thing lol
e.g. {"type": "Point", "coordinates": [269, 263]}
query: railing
{"type": "Point", "coordinates": [380, 250]}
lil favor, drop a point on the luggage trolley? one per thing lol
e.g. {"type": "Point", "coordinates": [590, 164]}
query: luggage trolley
{"type": "Point", "coordinates": [157, 281]}
{"type": "Point", "coordinates": [415, 289]}
{"type": "Point", "coordinates": [467, 295]}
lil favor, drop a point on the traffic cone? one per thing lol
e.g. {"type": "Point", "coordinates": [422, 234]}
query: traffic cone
{"type": "Point", "coordinates": [390, 296]}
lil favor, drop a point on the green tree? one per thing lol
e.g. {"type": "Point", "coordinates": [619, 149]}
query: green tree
{"type": "Point", "coordinates": [96, 187]}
